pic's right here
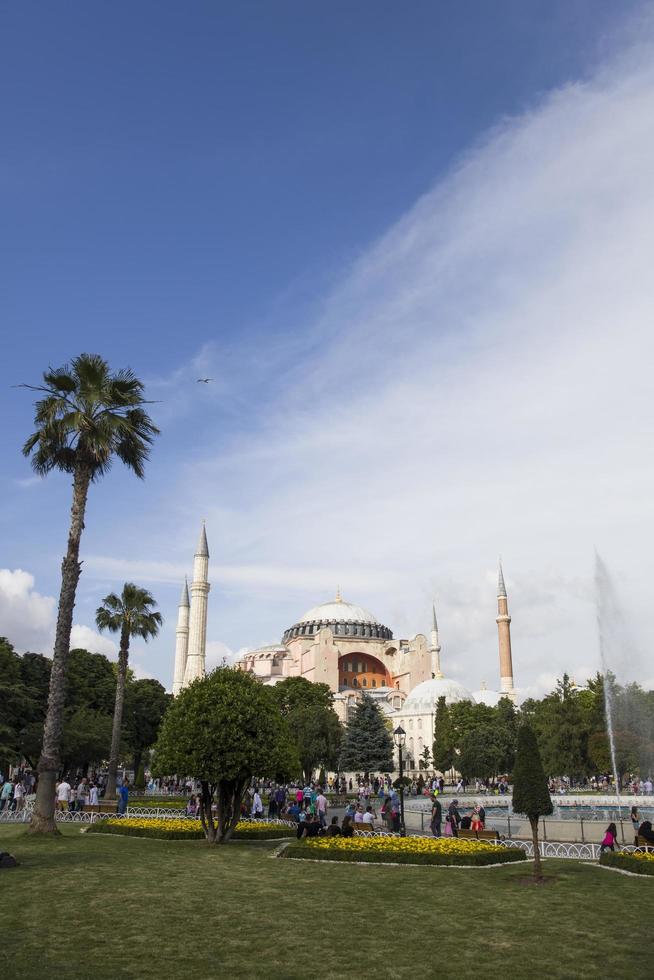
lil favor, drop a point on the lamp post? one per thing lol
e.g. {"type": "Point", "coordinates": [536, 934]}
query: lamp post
{"type": "Point", "coordinates": [399, 737]}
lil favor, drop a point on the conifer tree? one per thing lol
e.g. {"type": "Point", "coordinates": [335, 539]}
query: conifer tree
{"type": "Point", "coordinates": [367, 745]}
{"type": "Point", "coordinates": [531, 795]}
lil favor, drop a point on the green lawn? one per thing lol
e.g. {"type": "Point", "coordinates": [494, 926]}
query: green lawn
{"type": "Point", "coordinates": [95, 906]}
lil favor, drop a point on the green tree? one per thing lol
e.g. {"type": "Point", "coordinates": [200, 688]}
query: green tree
{"type": "Point", "coordinates": [146, 702]}
{"type": "Point", "coordinates": [131, 614]}
{"type": "Point", "coordinates": [367, 744]}
{"type": "Point", "coordinates": [312, 721]}
{"type": "Point", "coordinates": [224, 729]}
{"type": "Point", "coordinates": [443, 749]}
{"type": "Point", "coordinates": [425, 758]}
{"type": "Point", "coordinates": [531, 795]}
{"type": "Point", "coordinates": [481, 752]}
{"type": "Point", "coordinates": [86, 416]}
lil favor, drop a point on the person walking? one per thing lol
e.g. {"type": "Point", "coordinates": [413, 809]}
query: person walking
{"type": "Point", "coordinates": [93, 797]}
{"type": "Point", "coordinates": [19, 796]}
{"type": "Point", "coordinates": [257, 806]}
{"type": "Point", "coordinates": [321, 806]}
{"type": "Point", "coordinates": [455, 817]}
{"type": "Point", "coordinates": [635, 822]}
{"type": "Point", "coordinates": [609, 839]}
{"type": "Point", "coordinates": [123, 797]}
{"type": "Point", "coordinates": [436, 817]}
{"type": "Point", "coordinates": [63, 795]}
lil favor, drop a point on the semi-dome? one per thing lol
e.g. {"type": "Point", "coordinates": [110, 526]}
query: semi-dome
{"type": "Point", "coordinates": [342, 618]}
{"type": "Point", "coordinates": [422, 699]}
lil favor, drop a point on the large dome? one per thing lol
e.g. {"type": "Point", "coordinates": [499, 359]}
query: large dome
{"type": "Point", "coordinates": [338, 609]}
{"type": "Point", "coordinates": [342, 618]}
{"type": "Point", "coordinates": [489, 698]}
{"type": "Point", "coordinates": [422, 699]}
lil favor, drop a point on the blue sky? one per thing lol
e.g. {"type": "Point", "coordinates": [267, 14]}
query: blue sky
{"type": "Point", "coordinates": [360, 219]}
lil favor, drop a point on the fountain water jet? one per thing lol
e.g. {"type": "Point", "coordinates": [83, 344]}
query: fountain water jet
{"type": "Point", "coordinates": [607, 615]}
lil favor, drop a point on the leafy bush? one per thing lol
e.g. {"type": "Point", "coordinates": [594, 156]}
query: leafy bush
{"type": "Point", "coordinates": [639, 862]}
{"type": "Point", "coordinates": [406, 850]}
{"type": "Point", "coordinates": [171, 829]}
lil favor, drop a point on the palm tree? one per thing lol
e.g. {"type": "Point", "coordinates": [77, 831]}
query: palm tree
{"type": "Point", "coordinates": [129, 614]}
{"type": "Point", "coordinates": [86, 417]}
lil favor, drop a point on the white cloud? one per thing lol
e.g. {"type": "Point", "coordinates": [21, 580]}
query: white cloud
{"type": "Point", "coordinates": [26, 617]}
{"type": "Point", "coordinates": [88, 639]}
{"type": "Point", "coordinates": [481, 384]}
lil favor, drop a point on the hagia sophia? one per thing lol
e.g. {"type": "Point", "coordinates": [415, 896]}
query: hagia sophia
{"type": "Point", "coordinates": [341, 644]}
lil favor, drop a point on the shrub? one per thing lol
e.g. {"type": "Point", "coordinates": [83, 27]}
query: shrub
{"type": "Point", "coordinates": [639, 862]}
{"type": "Point", "coordinates": [171, 829]}
{"type": "Point", "coordinates": [403, 850]}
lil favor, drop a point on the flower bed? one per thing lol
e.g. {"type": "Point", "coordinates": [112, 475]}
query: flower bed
{"type": "Point", "coordinates": [638, 862]}
{"type": "Point", "coordinates": [404, 850]}
{"type": "Point", "coordinates": [171, 829]}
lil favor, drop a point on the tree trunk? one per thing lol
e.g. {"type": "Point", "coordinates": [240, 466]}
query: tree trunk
{"type": "Point", "coordinates": [206, 816]}
{"type": "Point", "coordinates": [123, 657]}
{"type": "Point", "coordinates": [230, 797]}
{"type": "Point", "coordinates": [43, 820]}
{"type": "Point", "coordinates": [538, 869]}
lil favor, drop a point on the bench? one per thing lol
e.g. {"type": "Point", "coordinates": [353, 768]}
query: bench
{"type": "Point", "coordinates": [478, 834]}
{"type": "Point", "coordinates": [643, 842]}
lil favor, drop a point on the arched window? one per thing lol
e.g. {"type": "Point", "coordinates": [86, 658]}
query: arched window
{"type": "Point", "coordinates": [365, 682]}
{"type": "Point", "coordinates": [355, 682]}
{"type": "Point", "coordinates": [419, 722]}
{"type": "Point", "coordinates": [374, 682]}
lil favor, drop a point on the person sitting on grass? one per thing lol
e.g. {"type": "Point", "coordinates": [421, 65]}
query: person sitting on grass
{"type": "Point", "coordinates": [334, 830]}
{"type": "Point", "coordinates": [609, 839]}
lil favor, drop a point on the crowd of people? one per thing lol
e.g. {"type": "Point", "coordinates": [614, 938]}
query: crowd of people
{"type": "Point", "coordinates": [73, 795]}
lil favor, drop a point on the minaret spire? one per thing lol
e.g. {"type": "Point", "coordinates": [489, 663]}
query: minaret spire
{"type": "Point", "coordinates": [435, 647]}
{"type": "Point", "coordinates": [504, 636]}
{"type": "Point", "coordinates": [181, 640]}
{"type": "Point", "coordinates": [197, 630]}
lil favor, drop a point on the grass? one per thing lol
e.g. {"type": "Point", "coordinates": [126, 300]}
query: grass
{"type": "Point", "coordinates": [90, 905]}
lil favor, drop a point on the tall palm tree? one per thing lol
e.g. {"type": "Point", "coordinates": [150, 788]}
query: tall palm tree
{"type": "Point", "coordinates": [86, 417]}
{"type": "Point", "coordinates": [129, 614]}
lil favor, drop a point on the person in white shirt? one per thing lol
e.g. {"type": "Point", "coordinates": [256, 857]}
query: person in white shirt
{"type": "Point", "coordinates": [369, 819]}
{"type": "Point", "coordinates": [63, 795]}
{"type": "Point", "coordinates": [93, 795]}
{"type": "Point", "coordinates": [321, 806]}
{"type": "Point", "coordinates": [358, 814]}
{"type": "Point", "coordinates": [19, 795]}
{"type": "Point", "coordinates": [257, 805]}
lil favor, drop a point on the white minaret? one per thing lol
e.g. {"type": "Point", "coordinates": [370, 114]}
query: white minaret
{"type": "Point", "coordinates": [435, 648]}
{"type": "Point", "coordinates": [197, 627]}
{"type": "Point", "coordinates": [181, 640]}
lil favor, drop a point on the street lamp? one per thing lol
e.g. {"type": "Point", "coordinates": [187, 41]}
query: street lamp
{"type": "Point", "coordinates": [399, 737]}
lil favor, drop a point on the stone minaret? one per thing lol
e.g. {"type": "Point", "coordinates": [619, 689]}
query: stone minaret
{"type": "Point", "coordinates": [435, 647]}
{"type": "Point", "coordinates": [181, 640]}
{"type": "Point", "coordinates": [504, 633]}
{"type": "Point", "coordinates": [197, 627]}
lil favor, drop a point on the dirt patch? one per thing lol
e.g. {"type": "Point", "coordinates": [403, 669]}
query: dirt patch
{"type": "Point", "coordinates": [538, 882]}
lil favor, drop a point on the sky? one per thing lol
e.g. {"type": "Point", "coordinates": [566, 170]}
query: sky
{"type": "Point", "coordinates": [411, 245]}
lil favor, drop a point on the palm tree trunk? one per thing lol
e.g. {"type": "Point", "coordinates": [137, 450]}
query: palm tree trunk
{"type": "Point", "coordinates": [538, 868]}
{"type": "Point", "coordinates": [123, 657]}
{"type": "Point", "coordinates": [43, 821]}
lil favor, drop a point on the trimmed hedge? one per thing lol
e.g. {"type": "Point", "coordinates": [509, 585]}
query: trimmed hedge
{"type": "Point", "coordinates": [627, 862]}
{"type": "Point", "coordinates": [161, 833]}
{"type": "Point", "coordinates": [478, 859]}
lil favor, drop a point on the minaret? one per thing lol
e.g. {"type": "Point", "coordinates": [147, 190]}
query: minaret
{"type": "Point", "coordinates": [435, 648]}
{"type": "Point", "coordinates": [504, 633]}
{"type": "Point", "coordinates": [197, 627]}
{"type": "Point", "coordinates": [181, 640]}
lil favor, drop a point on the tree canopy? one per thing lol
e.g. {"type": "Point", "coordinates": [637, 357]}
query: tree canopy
{"type": "Point", "coordinates": [224, 729]}
{"type": "Point", "coordinates": [312, 721]}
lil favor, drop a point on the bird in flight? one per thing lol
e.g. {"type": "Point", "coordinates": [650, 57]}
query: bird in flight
{"type": "Point", "coordinates": [204, 381]}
